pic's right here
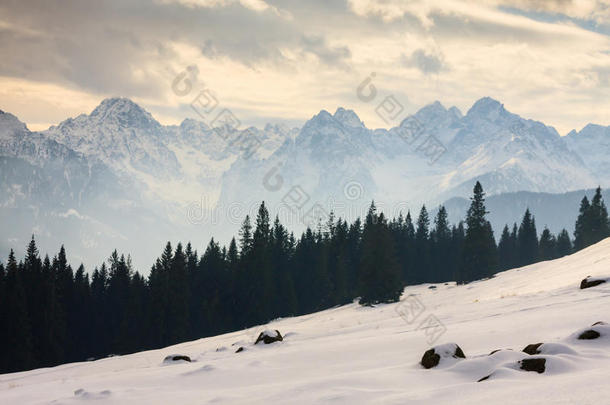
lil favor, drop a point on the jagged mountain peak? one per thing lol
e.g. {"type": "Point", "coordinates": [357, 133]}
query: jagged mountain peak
{"type": "Point", "coordinates": [348, 117]}
{"type": "Point", "coordinates": [10, 125]}
{"type": "Point", "coordinates": [124, 111]}
{"type": "Point", "coordinates": [437, 112]}
{"type": "Point", "coordinates": [486, 106]}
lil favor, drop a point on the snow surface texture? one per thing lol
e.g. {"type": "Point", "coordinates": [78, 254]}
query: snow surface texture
{"type": "Point", "coordinates": [355, 354]}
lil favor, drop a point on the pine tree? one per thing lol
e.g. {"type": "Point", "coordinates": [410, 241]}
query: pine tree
{"type": "Point", "coordinates": [380, 273]}
{"type": "Point", "coordinates": [158, 282]}
{"type": "Point", "coordinates": [178, 317]}
{"type": "Point", "coordinates": [422, 247]}
{"type": "Point", "coordinates": [547, 245]}
{"type": "Point", "coordinates": [564, 244]}
{"type": "Point", "coordinates": [527, 239]}
{"type": "Point", "coordinates": [18, 350]}
{"type": "Point", "coordinates": [582, 229]}
{"type": "Point", "coordinates": [101, 315]}
{"type": "Point", "coordinates": [600, 226]}
{"type": "Point", "coordinates": [441, 244]}
{"type": "Point", "coordinates": [479, 255]}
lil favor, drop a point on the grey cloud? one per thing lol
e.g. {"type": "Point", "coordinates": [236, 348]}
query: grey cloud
{"type": "Point", "coordinates": [97, 46]}
{"type": "Point", "coordinates": [426, 62]}
{"type": "Point", "coordinates": [327, 54]}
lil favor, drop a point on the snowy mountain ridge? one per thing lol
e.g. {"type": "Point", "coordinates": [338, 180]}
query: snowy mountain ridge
{"type": "Point", "coordinates": [119, 162]}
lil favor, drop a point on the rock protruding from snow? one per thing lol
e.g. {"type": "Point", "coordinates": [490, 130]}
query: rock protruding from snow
{"type": "Point", "coordinates": [538, 365]}
{"type": "Point", "coordinates": [432, 357]}
{"type": "Point", "coordinates": [589, 282]}
{"type": "Point", "coordinates": [589, 334]}
{"type": "Point", "coordinates": [532, 349]}
{"type": "Point", "coordinates": [269, 336]}
{"type": "Point", "coordinates": [176, 357]}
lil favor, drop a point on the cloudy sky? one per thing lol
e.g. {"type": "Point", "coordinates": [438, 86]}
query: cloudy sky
{"type": "Point", "coordinates": [284, 60]}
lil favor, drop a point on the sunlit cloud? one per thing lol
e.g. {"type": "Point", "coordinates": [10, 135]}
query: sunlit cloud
{"type": "Point", "coordinates": [281, 60]}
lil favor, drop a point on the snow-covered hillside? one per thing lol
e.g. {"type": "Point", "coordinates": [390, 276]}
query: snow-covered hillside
{"type": "Point", "coordinates": [354, 354]}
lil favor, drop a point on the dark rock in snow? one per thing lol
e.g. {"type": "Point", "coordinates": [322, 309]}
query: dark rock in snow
{"type": "Point", "coordinates": [177, 357]}
{"type": "Point", "coordinates": [484, 378]}
{"type": "Point", "coordinates": [432, 357]}
{"type": "Point", "coordinates": [268, 337]}
{"type": "Point", "coordinates": [537, 365]}
{"type": "Point", "coordinates": [590, 282]}
{"type": "Point", "coordinates": [589, 335]}
{"type": "Point", "coordinates": [497, 350]}
{"type": "Point", "coordinates": [599, 323]}
{"type": "Point", "coordinates": [241, 349]}
{"type": "Point", "coordinates": [532, 349]}
{"type": "Point", "coordinates": [432, 287]}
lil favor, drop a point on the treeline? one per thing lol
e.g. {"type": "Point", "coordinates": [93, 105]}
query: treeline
{"type": "Point", "coordinates": [51, 314]}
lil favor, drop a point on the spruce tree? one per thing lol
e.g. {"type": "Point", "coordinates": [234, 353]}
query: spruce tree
{"type": "Point", "coordinates": [380, 274]}
{"type": "Point", "coordinates": [18, 349]}
{"type": "Point", "coordinates": [583, 226]}
{"type": "Point", "coordinates": [505, 250]}
{"type": "Point", "coordinates": [422, 247]}
{"type": "Point", "coordinates": [547, 245]}
{"type": "Point", "coordinates": [564, 244]}
{"type": "Point", "coordinates": [600, 226]}
{"type": "Point", "coordinates": [527, 239]}
{"type": "Point", "coordinates": [479, 255]}
{"type": "Point", "coordinates": [178, 318]}
{"type": "Point", "coordinates": [441, 244]}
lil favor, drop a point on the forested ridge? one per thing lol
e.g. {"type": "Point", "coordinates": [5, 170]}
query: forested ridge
{"type": "Point", "coordinates": [52, 314]}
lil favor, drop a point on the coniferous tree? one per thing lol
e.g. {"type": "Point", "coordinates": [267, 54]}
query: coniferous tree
{"type": "Point", "coordinates": [52, 324]}
{"type": "Point", "coordinates": [100, 313]}
{"type": "Point", "coordinates": [527, 239]}
{"type": "Point", "coordinates": [584, 224]}
{"type": "Point", "coordinates": [547, 245]}
{"type": "Point", "coordinates": [564, 244]}
{"type": "Point", "coordinates": [455, 253]}
{"type": "Point", "coordinates": [33, 288]}
{"type": "Point", "coordinates": [158, 282]}
{"type": "Point", "coordinates": [441, 244]}
{"type": "Point", "coordinates": [600, 226]}
{"type": "Point", "coordinates": [380, 273]}
{"type": "Point", "coordinates": [18, 349]}
{"type": "Point", "coordinates": [178, 318]}
{"type": "Point", "coordinates": [479, 255]}
{"type": "Point", "coordinates": [422, 247]}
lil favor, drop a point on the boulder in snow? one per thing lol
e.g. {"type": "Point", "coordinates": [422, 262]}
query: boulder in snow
{"type": "Point", "coordinates": [432, 357]}
{"type": "Point", "coordinates": [599, 323]}
{"type": "Point", "coordinates": [538, 365]}
{"type": "Point", "coordinates": [176, 357]}
{"type": "Point", "coordinates": [532, 348]}
{"type": "Point", "coordinates": [241, 349]}
{"type": "Point", "coordinates": [589, 282]}
{"type": "Point", "coordinates": [589, 334]}
{"type": "Point", "coordinates": [269, 336]}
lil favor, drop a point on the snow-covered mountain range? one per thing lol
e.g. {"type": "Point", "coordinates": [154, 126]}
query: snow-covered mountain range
{"type": "Point", "coordinates": [118, 178]}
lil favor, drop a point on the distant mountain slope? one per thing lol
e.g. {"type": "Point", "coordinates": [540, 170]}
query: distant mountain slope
{"type": "Point", "coordinates": [592, 143]}
{"type": "Point", "coordinates": [556, 211]}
